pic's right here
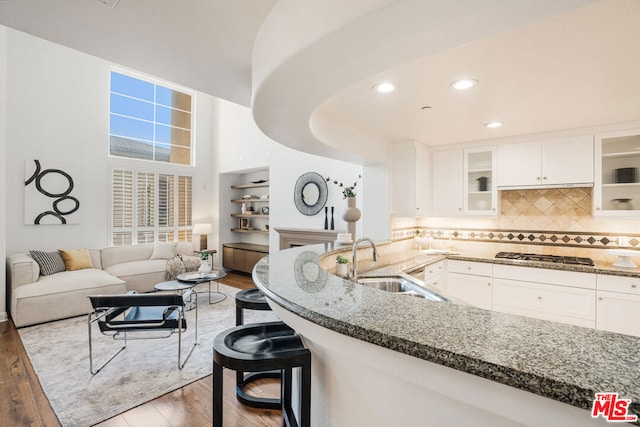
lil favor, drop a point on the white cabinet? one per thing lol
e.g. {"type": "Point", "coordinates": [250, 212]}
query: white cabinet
{"type": "Point", "coordinates": [618, 304]}
{"type": "Point", "coordinates": [479, 186]}
{"type": "Point", "coordinates": [617, 184]}
{"type": "Point", "coordinates": [565, 161]}
{"type": "Point", "coordinates": [447, 183]}
{"type": "Point", "coordinates": [470, 282]}
{"type": "Point", "coordinates": [433, 276]}
{"type": "Point", "coordinates": [560, 296]}
{"type": "Point", "coordinates": [410, 178]}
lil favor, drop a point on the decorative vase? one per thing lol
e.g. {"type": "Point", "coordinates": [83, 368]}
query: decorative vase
{"type": "Point", "coordinates": [351, 215]}
{"type": "Point", "coordinates": [342, 269]}
{"type": "Point", "coordinates": [205, 268]}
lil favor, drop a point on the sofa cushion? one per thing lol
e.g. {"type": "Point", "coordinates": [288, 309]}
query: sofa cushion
{"type": "Point", "coordinates": [137, 267]}
{"type": "Point", "coordinates": [49, 262]}
{"type": "Point", "coordinates": [163, 251]}
{"type": "Point", "coordinates": [76, 259]}
{"type": "Point", "coordinates": [67, 281]}
{"type": "Point", "coordinates": [122, 254]}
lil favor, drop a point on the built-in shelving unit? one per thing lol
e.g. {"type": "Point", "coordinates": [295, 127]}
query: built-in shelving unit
{"type": "Point", "coordinates": [244, 216]}
{"type": "Point", "coordinates": [617, 189]}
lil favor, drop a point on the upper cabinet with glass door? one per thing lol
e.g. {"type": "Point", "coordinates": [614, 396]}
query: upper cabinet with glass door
{"type": "Point", "coordinates": [480, 196]}
{"type": "Point", "coordinates": [617, 189]}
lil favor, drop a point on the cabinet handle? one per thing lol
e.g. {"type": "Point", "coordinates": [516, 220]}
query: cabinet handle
{"type": "Point", "coordinates": [459, 209]}
{"type": "Point", "coordinates": [633, 285]}
{"type": "Point", "coordinates": [489, 284]}
{"type": "Point", "coordinates": [468, 268]}
{"type": "Point", "coordinates": [544, 177]}
{"type": "Point", "coordinates": [598, 208]}
{"type": "Point", "coordinates": [435, 283]}
{"type": "Point", "coordinates": [539, 298]}
{"type": "Point", "coordinates": [538, 178]}
{"type": "Point", "coordinates": [600, 298]}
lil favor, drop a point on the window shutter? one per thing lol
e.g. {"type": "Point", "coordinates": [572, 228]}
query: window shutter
{"type": "Point", "coordinates": [122, 207]}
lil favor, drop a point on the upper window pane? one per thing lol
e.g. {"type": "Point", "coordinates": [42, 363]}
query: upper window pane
{"type": "Point", "coordinates": [147, 120]}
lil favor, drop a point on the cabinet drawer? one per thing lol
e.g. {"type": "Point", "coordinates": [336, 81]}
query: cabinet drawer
{"type": "Point", "coordinates": [630, 285]}
{"type": "Point", "coordinates": [473, 289]}
{"type": "Point", "coordinates": [543, 275]}
{"type": "Point", "coordinates": [432, 270]}
{"type": "Point", "coordinates": [469, 267]}
{"type": "Point", "coordinates": [436, 282]}
{"type": "Point", "coordinates": [549, 302]}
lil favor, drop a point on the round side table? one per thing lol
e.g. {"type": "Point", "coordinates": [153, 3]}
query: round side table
{"type": "Point", "coordinates": [195, 278]}
{"type": "Point", "coordinates": [189, 294]}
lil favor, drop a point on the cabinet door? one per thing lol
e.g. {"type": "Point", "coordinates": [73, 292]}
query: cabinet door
{"type": "Point", "coordinates": [618, 312]}
{"type": "Point", "coordinates": [519, 164]}
{"type": "Point", "coordinates": [479, 184]}
{"type": "Point", "coordinates": [251, 258]}
{"type": "Point", "coordinates": [475, 290]}
{"type": "Point", "coordinates": [575, 306]}
{"type": "Point", "coordinates": [447, 183]}
{"type": "Point", "coordinates": [568, 160]}
{"type": "Point", "coordinates": [410, 185]}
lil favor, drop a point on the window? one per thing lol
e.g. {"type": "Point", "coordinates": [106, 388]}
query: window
{"type": "Point", "coordinates": [148, 121]}
{"type": "Point", "coordinates": [150, 207]}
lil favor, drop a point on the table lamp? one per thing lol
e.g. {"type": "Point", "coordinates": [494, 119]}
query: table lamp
{"type": "Point", "coordinates": [203, 230]}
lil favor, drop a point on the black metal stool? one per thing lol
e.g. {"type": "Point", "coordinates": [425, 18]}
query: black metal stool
{"type": "Point", "coordinates": [264, 347]}
{"type": "Point", "coordinates": [253, 299]}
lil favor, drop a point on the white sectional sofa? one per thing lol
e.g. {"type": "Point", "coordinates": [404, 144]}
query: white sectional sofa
{"type": "Point", "coordinates": [36, 298]}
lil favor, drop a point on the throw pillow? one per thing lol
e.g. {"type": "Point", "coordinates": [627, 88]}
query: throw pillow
{"type": "Point", "coordinates": [49, 262]}
{"type": "Point", "coordinates": [76, 259]}
{"type": "Point", "coordinates": [163, 250]}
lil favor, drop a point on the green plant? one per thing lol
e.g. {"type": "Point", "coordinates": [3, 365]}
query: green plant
{"type": "Point", "coordinates": [342, 260]}
{"type": "Point", "coordinates": [203, 255]}
{"type": "Point", "coordinates": [346, 191]}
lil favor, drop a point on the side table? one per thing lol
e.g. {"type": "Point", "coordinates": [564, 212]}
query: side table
{"type": "Point", "coordinates": [196, 278]}
{"type": "Point", "coordinates": [189, 294]}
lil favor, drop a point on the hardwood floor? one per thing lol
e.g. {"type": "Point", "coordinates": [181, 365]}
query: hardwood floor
{"type": "Point", "coordinates": [23, 403]}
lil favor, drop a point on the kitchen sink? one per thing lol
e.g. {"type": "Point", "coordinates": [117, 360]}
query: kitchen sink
{"type": "Point", "coordinates": [401, 285]}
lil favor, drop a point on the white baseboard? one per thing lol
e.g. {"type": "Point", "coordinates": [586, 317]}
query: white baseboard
{"type": "Point", "coordinates": [4, 316]}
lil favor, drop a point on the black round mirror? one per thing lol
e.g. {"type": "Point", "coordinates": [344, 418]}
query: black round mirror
{"type": "Point", "coordinates": [310, 193]}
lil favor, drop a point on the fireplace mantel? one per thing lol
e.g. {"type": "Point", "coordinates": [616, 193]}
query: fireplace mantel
{"type": "Point", "coordinates": [290, 237]}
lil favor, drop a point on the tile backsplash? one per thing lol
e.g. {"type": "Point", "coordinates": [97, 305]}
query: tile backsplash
{"type": "Point", "coordinates": [550, 217]}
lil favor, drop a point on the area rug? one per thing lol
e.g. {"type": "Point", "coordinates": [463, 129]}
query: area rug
{"type": "Point", "coordinates": [147, 369]}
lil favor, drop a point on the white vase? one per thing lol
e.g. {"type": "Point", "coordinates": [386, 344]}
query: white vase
{"type": "Point", "coordinates": [351, 215]}
{"type": "Point", "coordinates": [342, 269]}
{"type": "Point", "coordinates": [205, 268]}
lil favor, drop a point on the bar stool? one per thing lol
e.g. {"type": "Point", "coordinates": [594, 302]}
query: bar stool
{"type": "Point", "coordinates": [253, 299]}
{"type": "Point", "coordinates": [264, 347]}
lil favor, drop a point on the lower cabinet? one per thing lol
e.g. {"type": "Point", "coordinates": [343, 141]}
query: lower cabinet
{"type": "Point", "coordinates": [618, 304]}
{"type": "Point", "coordinates": [556, 295]}
{"type": "Point", "coordinates": [242, 256]}
{"type": "Point", "coordinates": [470, 282]}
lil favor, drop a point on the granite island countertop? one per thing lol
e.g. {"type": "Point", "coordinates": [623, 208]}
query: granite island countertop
{"type": "Point", "coordinates": [562, 362]}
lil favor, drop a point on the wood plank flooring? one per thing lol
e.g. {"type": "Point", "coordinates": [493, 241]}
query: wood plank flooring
{"type": "Point", "coordinates": [23, 403]}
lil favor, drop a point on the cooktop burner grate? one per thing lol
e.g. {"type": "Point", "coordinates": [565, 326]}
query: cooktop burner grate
{"type": "Point", "coordinates": [558, 259]}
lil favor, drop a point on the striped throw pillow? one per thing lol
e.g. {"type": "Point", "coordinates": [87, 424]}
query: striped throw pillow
{"type": "Point", "coordinates": [49, 262]}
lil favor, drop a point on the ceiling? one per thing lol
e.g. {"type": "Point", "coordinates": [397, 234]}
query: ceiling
{"type": "Point", "coordinates": [202, 44]}
{"type": "Point", "coordinates": [569, 69]}
{"type": "Point", "coordinates": [578, 69]}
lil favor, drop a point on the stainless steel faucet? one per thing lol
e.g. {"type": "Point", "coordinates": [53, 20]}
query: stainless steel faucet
{"type": "Point", "coordinates": [354, 270]}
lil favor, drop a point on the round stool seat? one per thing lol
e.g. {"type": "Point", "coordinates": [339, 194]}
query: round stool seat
{"type": "Point", "coordinates": [259, 347]}
{"type": "Point", "coordinates": [252, 299]}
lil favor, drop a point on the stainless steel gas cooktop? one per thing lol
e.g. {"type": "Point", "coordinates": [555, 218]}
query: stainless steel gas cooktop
{"type": "Point", "coordinates": [557, 259]}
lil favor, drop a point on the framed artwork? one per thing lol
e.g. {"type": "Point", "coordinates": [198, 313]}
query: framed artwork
{"type": "Point", "coordinates": [51, 193]}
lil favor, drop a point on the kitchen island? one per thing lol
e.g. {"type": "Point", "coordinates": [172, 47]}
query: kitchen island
{"type": "Point", "coordinates": [381, 358]}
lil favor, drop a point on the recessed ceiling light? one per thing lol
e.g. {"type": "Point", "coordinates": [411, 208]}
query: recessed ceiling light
{"type": "Point", "coordinates": [464, 84]}
{"type": "Point", "coordinates": [493, 124]}
{"type": "Point", "coordinates": [385, 87]}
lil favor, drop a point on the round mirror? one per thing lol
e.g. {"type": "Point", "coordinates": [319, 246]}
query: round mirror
{"type": "Point", "coordinates": [310, 193]}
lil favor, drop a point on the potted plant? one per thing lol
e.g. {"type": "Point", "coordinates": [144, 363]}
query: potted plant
{"type": "Point", "coordinates": [342, 264]}
{"type": "Point", "coordinates": [204, 262]}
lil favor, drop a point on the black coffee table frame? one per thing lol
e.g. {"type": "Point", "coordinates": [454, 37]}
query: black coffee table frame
{"type": "Point", "coordinates": [197, 278]}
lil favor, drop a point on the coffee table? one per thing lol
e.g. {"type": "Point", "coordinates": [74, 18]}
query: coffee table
{"type": "Point", "coordinates": [195, 278]}
{"type": "Point", "coordinates": [189, 294]}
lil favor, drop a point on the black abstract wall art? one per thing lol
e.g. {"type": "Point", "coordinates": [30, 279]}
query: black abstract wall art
{"type": "Point", "coordinates": [50, 195]}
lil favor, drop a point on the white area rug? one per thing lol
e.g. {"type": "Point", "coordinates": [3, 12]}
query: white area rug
{"type": "Point", "coordinates": [147, 369]}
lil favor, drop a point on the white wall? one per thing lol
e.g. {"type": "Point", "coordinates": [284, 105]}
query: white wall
{"type": "Point", "coordinates": [57, 110]}
{"type": "Point", "coordinates": [3, 167]}
{"type": "Point", "coordinates": [243, 147]}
